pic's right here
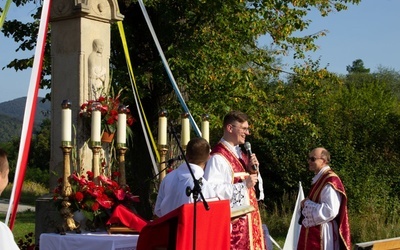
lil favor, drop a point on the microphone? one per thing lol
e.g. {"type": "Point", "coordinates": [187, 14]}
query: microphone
{"type": "Point", "coordinates": [247, 146]}
{"type": "Point", "coordinates": [172, 160]}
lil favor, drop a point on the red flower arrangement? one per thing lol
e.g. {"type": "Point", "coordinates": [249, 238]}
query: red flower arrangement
{"type": "Point", "coordinates": [96, 200]}
{"type": "Point", "coordinates": [109, 107]}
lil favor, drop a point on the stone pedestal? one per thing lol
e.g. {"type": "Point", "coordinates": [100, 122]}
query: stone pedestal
{"type": "Point", "coordinates": [80, 52]}
{"type": "Point", "coordinates": [47, 217]}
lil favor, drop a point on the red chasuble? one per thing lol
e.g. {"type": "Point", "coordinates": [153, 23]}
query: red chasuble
{"type": "Point", "coordinates": [247, 231]}
{"type": "Point", "coordinates": [310, 238]}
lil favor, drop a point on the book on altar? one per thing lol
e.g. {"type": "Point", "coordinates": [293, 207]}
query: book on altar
{"type": "Point", "coordinates": [240, 211]}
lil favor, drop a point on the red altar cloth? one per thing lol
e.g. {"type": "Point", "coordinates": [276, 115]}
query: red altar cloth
{"type": "Point", "coordinates": [126, 217]}
{"type": "Point", "coordinates": [175, 229]}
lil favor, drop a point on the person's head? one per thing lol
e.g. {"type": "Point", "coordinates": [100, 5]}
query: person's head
{"type": "Point", "coordinates": [4, 169]}
{"type": "Point", "coordinates": [198, 151]}
{"type": "Point", "coordinates": [236, 127]}
{"type": "Point", "coordinates": [317, 159]}
{"type": "Point", "coordinates": [98, 45]}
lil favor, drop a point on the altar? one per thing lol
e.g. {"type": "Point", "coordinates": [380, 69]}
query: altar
{"type": "Point", "coordinates": [88, 241]}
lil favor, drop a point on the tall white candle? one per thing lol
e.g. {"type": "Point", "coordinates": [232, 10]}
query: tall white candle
{"type": "Point", "coordinates": [66, 121]}
{"type": "Point", "coordinates": [185, 130]}
{"type": "Point", "coordinates": [162, 130]}
{"type": "Point", "coordinates": [121, 128]}
{"type": "Point", "coordinates": [205, 128]}
{"type": "Point", "coordinates": [96, 126]}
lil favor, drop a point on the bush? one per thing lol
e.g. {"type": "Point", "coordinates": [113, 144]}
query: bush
{"type": "Point", "coordinates": [30, 192]}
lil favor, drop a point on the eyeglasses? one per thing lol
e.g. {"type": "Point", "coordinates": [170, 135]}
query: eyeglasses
{"type": "Point", "coordinates": [313, 159]}
{"type": "Point", "coordinates": [244, 129]}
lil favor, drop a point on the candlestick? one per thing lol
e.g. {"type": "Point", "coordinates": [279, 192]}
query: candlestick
{"type": "Point", "coordinates": [185, 130]}
{"type": "Point", "coordinates": [95, 135]}
{"type": "Point", "coordinates": [205, 127]}
{"type": "Point", "coordinates": [163, 153]}
{"type": "Point", "coordinates": [121, 165]}
{"type": "Point", "coordinates": [66, 211]}
{"type": "Point", "coordinates": [96, 164]}
{"type": "Point", "coordinates": [66, 122]}
{"type": "Point", "coordinates": [162, 128]}
{"type": "Point", "coordinates": [121, 127]}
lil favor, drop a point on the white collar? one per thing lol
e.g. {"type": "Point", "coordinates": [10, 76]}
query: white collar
{"type": "Point", "coordinates": [317, 176]}
{"type": "Point", "coordinates": [234, 149]}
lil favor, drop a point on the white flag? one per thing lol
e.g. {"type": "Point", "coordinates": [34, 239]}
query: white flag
{"type": "Point", "coordinates": [293, 234]}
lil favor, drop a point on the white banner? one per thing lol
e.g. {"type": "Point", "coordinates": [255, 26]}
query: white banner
{"type": "Point", "coordinates": [293, 234]}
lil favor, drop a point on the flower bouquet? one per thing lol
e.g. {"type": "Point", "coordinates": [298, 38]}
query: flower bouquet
{"type": "Point", "coordinates": [109, 108]}
{"type": "Point", "coordinates": [96, 201]}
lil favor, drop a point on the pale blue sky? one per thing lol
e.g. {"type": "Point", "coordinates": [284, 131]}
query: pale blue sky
{"type": "Point", "coordinates": [369, 31]}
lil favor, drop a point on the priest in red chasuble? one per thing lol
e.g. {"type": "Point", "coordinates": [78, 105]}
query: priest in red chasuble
{"type": "Point", "coordinates": [324, 220]}
{"type": "Point", "coordinates": [230, 171]}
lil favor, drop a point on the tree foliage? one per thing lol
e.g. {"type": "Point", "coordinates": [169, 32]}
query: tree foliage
{"type": "Point", "coordinates": [211, 47]}
{"type": "Point", "coordinates": [212, 50]}
{"type": "Point", "coordinates": [357, 67]}
{"type": "Point", "coordinates": [356, 117]}
{"type": "Point", "coordinates": [39, 154]}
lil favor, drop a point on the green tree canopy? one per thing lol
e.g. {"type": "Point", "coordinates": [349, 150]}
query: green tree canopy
{"type": "Point", "coordinates": [212, 49]}
{"type": "Point", "coordinates": [357, 67]}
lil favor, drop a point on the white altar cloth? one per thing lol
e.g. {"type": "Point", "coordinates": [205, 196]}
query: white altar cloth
{"type": "Point", "coordinates": [88, 241]}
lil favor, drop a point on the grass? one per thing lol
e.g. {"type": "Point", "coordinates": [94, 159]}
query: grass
{"type": "Point", "coordinates": [278, 220]}
{"type": "Point", "coordinates": [24, 224]}
{"type": "Point", "coordinates": [25, 221]}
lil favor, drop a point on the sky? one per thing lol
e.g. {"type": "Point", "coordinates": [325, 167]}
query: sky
{"type": "Point", "coordinates": [368, 31]}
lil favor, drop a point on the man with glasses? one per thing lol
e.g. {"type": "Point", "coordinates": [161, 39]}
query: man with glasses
{"type": "Point", "coordinates": [230, 172]}
{"type": "Point", "coordinates": [324, 218]}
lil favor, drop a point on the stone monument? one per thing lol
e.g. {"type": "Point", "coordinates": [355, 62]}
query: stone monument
{"type": "Point", "coordinates": [80, 52]}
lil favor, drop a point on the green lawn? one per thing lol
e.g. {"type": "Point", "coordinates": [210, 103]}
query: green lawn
{"type": "Point", "coordinates": [25, 221]}
{"type": "Point", "coordinates": [24, 225]}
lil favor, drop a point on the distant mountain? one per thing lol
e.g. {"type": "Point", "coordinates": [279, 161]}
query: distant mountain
{"type": "Point", "coordinates": [12, 115]}
{"type": "Point", "coordinates": [10, 127]}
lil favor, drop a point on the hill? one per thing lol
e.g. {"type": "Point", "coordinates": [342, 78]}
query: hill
{"type": "Point", "coordinates": [12, 114]}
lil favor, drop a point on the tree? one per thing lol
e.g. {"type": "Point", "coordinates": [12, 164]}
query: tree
{"type": "Point", "coordinates": [357, 67]}
{"type": "Point", "coordinates": [40, 151]}
{"type": "Point", "coordinates": [361, 128]}
{"type": "Point", "coordinates": [39, 155]}
{"type": "Point", "coordinates": [212, 50]}
{"type": "Point", "coordinates": [222, 58]}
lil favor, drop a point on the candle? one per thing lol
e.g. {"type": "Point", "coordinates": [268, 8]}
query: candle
{"type": "Point", "coordinates": [121, 127]}
{"type": "Point", "coordinates": [66, 122]}
{"type": "Point", "coordinates": [96, 123]}
{"type": "Point", "coordinates": [205, 127]}
{"type": "Point", "coordinates": [162, 128]}
{"type": "Point", "coordinates": [185, 132]}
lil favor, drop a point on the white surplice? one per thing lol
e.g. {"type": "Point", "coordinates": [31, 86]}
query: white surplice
{"type": "Point", "coordinates": [7, 241]}
{"type": "Point", "coordinates": [172, 191]}
{"type": "Point", "coordinates": [324, 212]}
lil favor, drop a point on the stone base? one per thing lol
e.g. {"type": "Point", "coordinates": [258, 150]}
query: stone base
{"type": "Point", "coordinates": [47, 217]}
